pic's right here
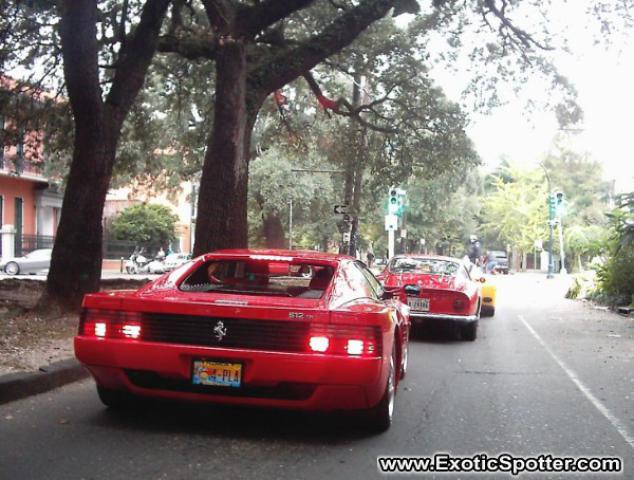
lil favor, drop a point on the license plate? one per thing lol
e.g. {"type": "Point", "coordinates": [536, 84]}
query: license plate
{"type": "Point", "coordinates": [418, 304]}
{"type": "Point", "coordinates": [217, 374]}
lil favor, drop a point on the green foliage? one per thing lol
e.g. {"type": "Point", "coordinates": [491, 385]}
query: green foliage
{"type": "Point", "coordinates": [149, 225]}
{"type": "Point", "coordinates": [584, 241]}
{"type": "Point", "coordinates": [616, 276]}
{"type": "Point", "coordinates": [273, 184]}
{"type": "Point", "coordinates": [516, 212]}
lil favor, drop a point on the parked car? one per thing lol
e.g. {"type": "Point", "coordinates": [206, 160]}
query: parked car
{"type": "Point", "coordinates": [30, 263]}
{"type": "Point", "coordinates": [437, 289]}
{"type": "Point", "coordinates": [497, 262]}
{"type": "Point", "coordinates": [488, 291]}
{"type": "Point", "coordinates": [175, 260]}
{"type": "Point", "coordinates": [251, 327]}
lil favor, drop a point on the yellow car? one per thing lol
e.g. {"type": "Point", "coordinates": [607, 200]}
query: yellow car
{"type": "Point", "coordinates": [488, 298]}
{"type": "Point", "coordinates": [487, 291]}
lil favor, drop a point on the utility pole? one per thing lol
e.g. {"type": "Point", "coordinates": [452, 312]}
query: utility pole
{"type": "Point", "coordinates": [290, 224]}
{"type": "Point", "coordinates": [559, 207]}
{"type": "Point", "coordinates": [551, 221]}
{"type": "Point", "coordinates": [561, 249]}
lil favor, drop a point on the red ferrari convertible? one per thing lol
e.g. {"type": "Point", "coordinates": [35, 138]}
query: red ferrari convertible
{"type": "Point", "coordinates": [437, 289]}
{"type": "Point", "coordinates": [298, 330]}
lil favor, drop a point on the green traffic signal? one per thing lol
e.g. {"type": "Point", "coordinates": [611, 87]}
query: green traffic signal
{"type": "Point", "coordinates": [396, 201]}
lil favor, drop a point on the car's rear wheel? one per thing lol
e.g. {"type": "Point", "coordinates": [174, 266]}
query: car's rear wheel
{"type": "Point", "coordinates": [488, 311]}
{"type": "Point", "coordinates": [380, 417]}
{"type": "Point", "coordinates": [470, 331]}
{"type": "Point", "coordinates": [115, 399]}
{"type": "Point", "coordinates": [11, 268]}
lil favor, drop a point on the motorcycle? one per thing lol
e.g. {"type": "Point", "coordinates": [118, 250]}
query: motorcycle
{"type": "Point", "coordinates": [138, 263]}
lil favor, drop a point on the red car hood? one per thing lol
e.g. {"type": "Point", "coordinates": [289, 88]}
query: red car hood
{"type": "Point", "coordinates": [435, 282]}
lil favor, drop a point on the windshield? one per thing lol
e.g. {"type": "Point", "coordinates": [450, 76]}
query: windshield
{"type": "Point", "coordinates": [250, 277]}
{"type": "Point", "coordinates": [429, 266]}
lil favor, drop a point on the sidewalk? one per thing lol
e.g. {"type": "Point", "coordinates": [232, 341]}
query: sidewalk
{"type": "Point", "coordinates": [36, 354]}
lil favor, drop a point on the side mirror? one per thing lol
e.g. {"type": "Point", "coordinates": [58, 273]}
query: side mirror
{"type": "Point", "coordinates": [412, 290]}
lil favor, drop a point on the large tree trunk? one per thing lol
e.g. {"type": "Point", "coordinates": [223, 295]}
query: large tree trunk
{"type": "Point", "coordinates": [221, 221]}
{"type": "Point", "coordinates": [273, 231]}
{"type": "Point", "coordinates": [77, 254]}
{"type": "Point", "coordinates": [76, 260]}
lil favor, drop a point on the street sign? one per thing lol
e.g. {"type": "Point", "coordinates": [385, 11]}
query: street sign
{"type": "Point", "coordinates": [346, 237]}
{"type": "Point", "coordinates": [341, 209]}
{"type": "Point", "coordinates": [391, 223]}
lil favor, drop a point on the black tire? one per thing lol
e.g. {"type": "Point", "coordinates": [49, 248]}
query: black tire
{"type": "Point", "coordinates": [380, 417]}
{"type": "Point", "coordinates": [415, 330]}
{"type": "Point", "coordinates": [115, 399]}
{"type": "Point", "coordinates": [469, 331]}
{"type": "Point", "coordinates": [12, 268]}
{"type": "Point", "coordinates": [488, 311]}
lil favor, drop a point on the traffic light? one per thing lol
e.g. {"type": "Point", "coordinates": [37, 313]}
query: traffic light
{"type": "Point", "coordinates": [559, 203]}
{"type": "Point", "coordinates": [393, 201]}
{"type": "Point", "coordinates": [396, 201]}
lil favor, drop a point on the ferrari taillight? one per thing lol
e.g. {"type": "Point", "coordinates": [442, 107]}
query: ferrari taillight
{"type": "Point", "coordinates": [349, 340]}
{"type": "Point", "coordinates": [459, 304]}
{"type": "Point", "coordinates": [110, 324]}
{"type": "Point", "coordinates": [355, 347]}
{"type": "Point", "coordinates": [100, 329]}
{"type": "Point", "coordinates": [319, 343]}
{"type": "Point", "coordinates": [131, 330]}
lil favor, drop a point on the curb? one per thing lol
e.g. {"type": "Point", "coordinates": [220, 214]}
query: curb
{"type": "Point", "coordinates": [15, 386]}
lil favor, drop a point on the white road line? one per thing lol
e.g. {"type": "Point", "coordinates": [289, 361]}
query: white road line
{"type": "Point", "coordinates": [605, 411]}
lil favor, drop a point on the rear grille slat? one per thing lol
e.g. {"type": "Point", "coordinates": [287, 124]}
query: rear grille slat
{"type": "Point", "coordinates": [240, 333]}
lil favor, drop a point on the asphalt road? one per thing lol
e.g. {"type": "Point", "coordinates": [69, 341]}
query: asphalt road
{"type": "Point", "coordinates": [546, 375]}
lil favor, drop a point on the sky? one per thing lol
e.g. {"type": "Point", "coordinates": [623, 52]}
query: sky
{"type": "Point", "coordinates": [604, 78]}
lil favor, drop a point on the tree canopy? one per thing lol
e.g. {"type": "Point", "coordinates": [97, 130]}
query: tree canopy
{"type": "Point", "coordinates": [149, 225]}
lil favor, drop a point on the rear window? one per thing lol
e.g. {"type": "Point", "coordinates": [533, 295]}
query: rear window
{"type": "Point", "coordinates": [261, 277]}
{"type": "Point", "coordinates": [429, 266]}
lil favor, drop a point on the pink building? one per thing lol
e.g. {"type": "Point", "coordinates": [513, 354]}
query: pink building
{"type": "Point", "coordinates": [28, 201]}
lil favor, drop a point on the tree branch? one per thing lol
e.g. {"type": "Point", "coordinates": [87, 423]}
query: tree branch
{"type": "Point", "coordinates": [349, 111]}
{"type": "Point", "coordinates": [221, 14]}
{"type": "Point", "coordinates": [190, 46]}
{"type": "Point", "coordinates": [292, 63]}
{"type": "Point", "coordinates": [524, 37]}
{"type": "Point", "coordinates": [135, 58]}
{"type": "Point", "coordinates": [252, 20]}
{"type": "Point", "coordinates": [78, 34]}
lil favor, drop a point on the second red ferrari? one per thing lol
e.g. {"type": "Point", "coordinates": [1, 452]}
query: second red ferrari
{"type": "Point", "coordinates": [437, 289]}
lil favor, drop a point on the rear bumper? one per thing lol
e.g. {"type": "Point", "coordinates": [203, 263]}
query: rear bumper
{"type": "Point", "coordinates": [418, 317]}
{"type": "Point", "coordinates": [286, 380]}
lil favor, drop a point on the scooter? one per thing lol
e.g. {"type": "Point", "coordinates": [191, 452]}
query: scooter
{"type": "Point", "coordinates": [137, 263]}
